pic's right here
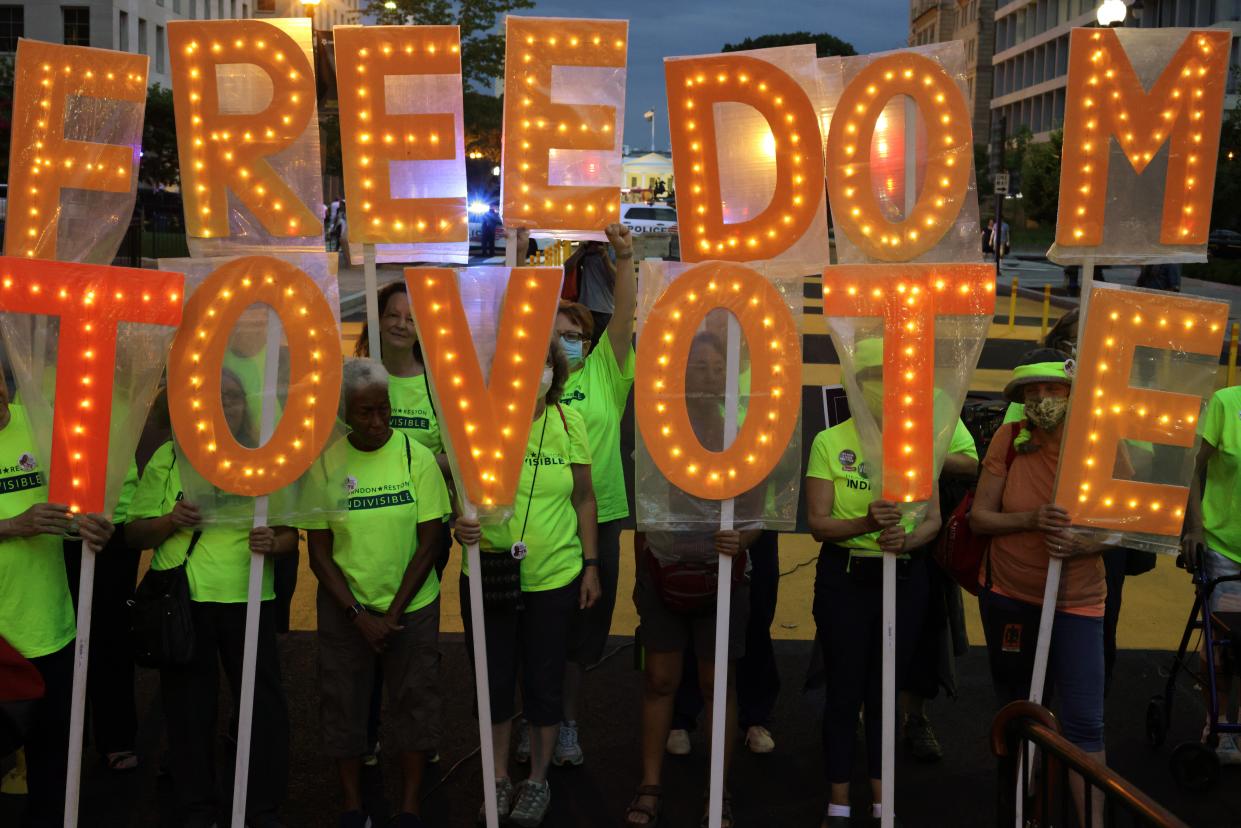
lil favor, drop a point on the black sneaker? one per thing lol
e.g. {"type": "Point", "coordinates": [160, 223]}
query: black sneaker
{"type": "Point", "coordinates": [921, 739]}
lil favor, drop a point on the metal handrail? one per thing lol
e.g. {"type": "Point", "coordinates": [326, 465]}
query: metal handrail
{"type": "Point", "coordinates": [1021, 723]}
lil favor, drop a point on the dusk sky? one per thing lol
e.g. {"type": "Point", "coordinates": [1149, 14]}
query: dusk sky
{"type": "Point", "coordinates": [669, 28]}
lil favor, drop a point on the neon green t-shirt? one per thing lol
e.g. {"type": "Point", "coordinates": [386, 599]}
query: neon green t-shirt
{"type": "Point", "coordinates": [599, 392]}
{"type": "Point", "coordinates": [219, 568]}
{"type": "Point", "coordinates": [555, 551]}
{"type": "Point", "coordinates": [1221, 499]}
{"type": "Point", "coordinates": [412, 411]}
{"type": "Point", "coordinates": [836, 455]}
{"type": "Point", "coordinates": [962, 441]}
{"type": "Point", "coordinates": [130, 485]}
{"type": "Point", "coordinates": [1014, 413]}
{"type": "Point", "coordinates": [391, 490]}
{"type": "Point", "coordinates": [36, 612]}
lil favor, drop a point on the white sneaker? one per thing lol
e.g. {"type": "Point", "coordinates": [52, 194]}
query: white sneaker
{"type": "Point", "coordinates": [568, 749]}
{"type": "Point", "coordinates": [678, 742]}
{"type": "Point", "coordinates": [758, 740]}
{"type": "Point", "coordinates": [1227, 751]}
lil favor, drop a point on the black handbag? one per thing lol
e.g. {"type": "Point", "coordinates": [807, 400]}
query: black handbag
{"type": "Point", "coordinates": [161, 629]}
{"type": "Point", "coordinates": [501, 574]}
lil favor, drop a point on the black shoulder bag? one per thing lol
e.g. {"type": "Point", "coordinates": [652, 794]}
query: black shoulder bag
{"type": "Point", "coordinates": [161, 629]}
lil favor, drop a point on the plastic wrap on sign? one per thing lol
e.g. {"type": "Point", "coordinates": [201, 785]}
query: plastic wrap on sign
{"type": "Point", "coordinates": [485, 334]}
{"type": "Point", "coordinates": [748, 159]}
{"type": "Point", "coordinates": [258, 354]}
{"type": "Point", "coordinates": [247, 135]}
{"type": "Point", "coordinates": [871, 138]}
{"type": "Point", "coordinates": [1148, 361]}
{"type": "Point", "coordinates": [690, 318]}
{"type": "Point", "coordinates": [403, 142]}
{"type": "Point", "coordinates": [86, 345]}
{"type": "Point", "coordinates": [564, 104]}
{"type": "Point", "coordinates": [908, 337]}
{"type": "Point", "coordinates": [1141, 137]}
{"type": "Point", "coordinates": [75, 144]}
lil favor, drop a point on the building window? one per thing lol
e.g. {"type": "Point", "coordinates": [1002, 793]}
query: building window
{"type": "Point", "coordinates": [159, 49]}
{"type": "Point", "coordinates": [142, 37]}
{"type": "Point", "coordinates": [122, 31]}
{"type": "Point", "coordinates": [12, 26]}
{"type": "Point", "coordinates": [245, 10]}
{"type": "Point", "coordinates": [77, 25]}
{"type": "Point", "coordinates": [265, 6]}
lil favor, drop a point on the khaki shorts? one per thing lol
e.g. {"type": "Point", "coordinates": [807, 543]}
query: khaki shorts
{"type": "Point", "coordinates": [412, 703]}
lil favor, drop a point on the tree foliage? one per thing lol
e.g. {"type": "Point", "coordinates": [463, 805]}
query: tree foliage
{"type": "Point", "coordinates": [826, 45]}
{"type": "Point", "coordinates": [1040, 179]}
{"type": "Point", "coordinates": [1224, 213]}
{"type": "Point", "coordinates": [159, 168]}
{"type": "Point", "coordinates": [482, 46]}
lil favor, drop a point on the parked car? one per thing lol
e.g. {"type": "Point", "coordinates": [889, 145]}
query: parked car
{"type": "Point", "coordinates": [649, 218]}
{"type": "Point", "coordinates": [1224, 244]}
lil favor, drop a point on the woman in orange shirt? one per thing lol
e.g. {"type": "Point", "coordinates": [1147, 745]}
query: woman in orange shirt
{"type": "Point", "coordinates": [1014, 506]}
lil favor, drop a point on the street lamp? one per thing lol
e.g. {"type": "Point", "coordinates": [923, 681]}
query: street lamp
{"type": "Point", "coordinates": [310, 7]}
{"type": "Point", "coordinates": [1111, 13]}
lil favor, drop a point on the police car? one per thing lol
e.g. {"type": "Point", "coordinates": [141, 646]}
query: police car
{"type": "Point", "coordinates": [649, 218]}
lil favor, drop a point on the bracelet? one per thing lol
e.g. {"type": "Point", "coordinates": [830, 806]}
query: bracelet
{"type": "Point", "coordinates": [590, 562]}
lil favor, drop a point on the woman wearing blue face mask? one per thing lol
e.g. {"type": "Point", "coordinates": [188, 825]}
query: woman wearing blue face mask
{"type": "Point", "coordinates": [597, 388]}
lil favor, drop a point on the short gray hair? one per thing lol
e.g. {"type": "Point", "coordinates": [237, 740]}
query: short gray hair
{"type": "Point", "coordinates": [361, 373]}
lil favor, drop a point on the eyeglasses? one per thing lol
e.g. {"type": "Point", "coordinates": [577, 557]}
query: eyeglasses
{"type": "Point", "coordinates": [573, 336]}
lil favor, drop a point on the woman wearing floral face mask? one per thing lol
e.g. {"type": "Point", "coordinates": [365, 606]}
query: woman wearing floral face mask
{"type": "Point", "coordinates": [539, 568]}
{"type": "Point", "coordinates": [1014, 506]}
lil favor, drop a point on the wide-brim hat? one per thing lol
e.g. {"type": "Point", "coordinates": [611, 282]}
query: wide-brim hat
{"type": "Point", "coordinates": [1040, 365]}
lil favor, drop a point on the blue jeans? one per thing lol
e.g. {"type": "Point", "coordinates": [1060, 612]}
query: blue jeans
{"type": "Point", "coordinates": [1074, 664]}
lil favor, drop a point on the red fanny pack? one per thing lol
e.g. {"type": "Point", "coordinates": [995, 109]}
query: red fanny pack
{"type": "Point", "coordinates": [689, 588]}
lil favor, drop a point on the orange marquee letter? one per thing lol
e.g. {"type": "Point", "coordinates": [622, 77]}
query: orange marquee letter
{"type": "Point", "coordinates": [90, 301]}
{"type": "Point", "coordinates": [694, 87]}
{"type": "Point", "coordinates": [1105, 98]}
{"type": "Point", "coordinates": [42, 162]}
{"type": "Point", "coordinates": [909, 297]}
{"type": "Point", "coordinates": [486, 425]}
{"type": "Point", "coordinates": [534, 126]}
{"type": "Point", "coordinates": [950, 157]}
{"type": "Point", "coordinates": [198, 354]}
{"type": "Point", "coordinates": [221, 153]}
{"type": "Point", "coordinates": [371, 138]}
{"type": "Point", "coordinates": [775, 395]}
{"type": "Point", "coordinates": [1107, 409]}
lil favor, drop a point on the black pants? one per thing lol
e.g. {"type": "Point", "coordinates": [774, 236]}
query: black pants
{"type": "Point", "coordinates": [531, 644]}
{"type": "Point", "coordinates": [110, 675]}
{"type": "Point", "coordinates": [190, 698]}
{"type": "Point", "coordinates": [758, 679]}
{"type": "Point", "coordinates": [284, 582]}
{"type": "Point", "coordinates": [47, 742]}
{"type": "Point", "coordinates": [488, 241]}
{"type": "Point", "coordinates": [849, 616]}
{"type": "Point", "coordinates": [1115, 561]}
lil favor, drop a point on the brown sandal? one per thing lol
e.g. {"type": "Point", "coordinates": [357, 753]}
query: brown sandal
{"type": "Point", "coordinates": [637, 809]}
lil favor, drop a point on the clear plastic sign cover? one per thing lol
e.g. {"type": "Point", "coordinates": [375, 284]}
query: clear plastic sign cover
{"type": "Point", "coordinates": [564, 120]}
{"type": "Point", "coordinates": [256, 372]}
{"type": "Point", "coordinates": [441, 178]}
{"type": "Point", "coordinates": [747, 158]}
{"type": "Point", "coordinates": [77, 134]}
{"type": "Point", "coordinates": [1141, 137]}
{"type": "Point", "coordinates": [901, 134]}
{"type": "Point", "coordinates": [33, 345]}
{"type": "Point", "coordinates": [1148, 362]}
{"type": "Point", "coordinates": [662, 506]}
{"type": "Point", "coordinates": [244, 89]}
{"type": "Point", "coordinates": [929, 355]}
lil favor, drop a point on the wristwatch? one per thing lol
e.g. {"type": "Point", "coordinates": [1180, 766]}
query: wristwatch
{"type": "Point", "coordinates": [353, 612]}
{"type": "Point", "coordinates": [590, 562]}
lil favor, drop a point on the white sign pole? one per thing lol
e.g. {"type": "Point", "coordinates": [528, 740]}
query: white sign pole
{"type": "Point", "coordinates": [81, 663]}
{"type": "Point", "coordinates": [371, 284]}
{"type": "Point", "coordinates": [254, 590]}
{"type": "Point", "coordinates": [724, 595]}
{"type": "Point", "coordinates": [482, 682]}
